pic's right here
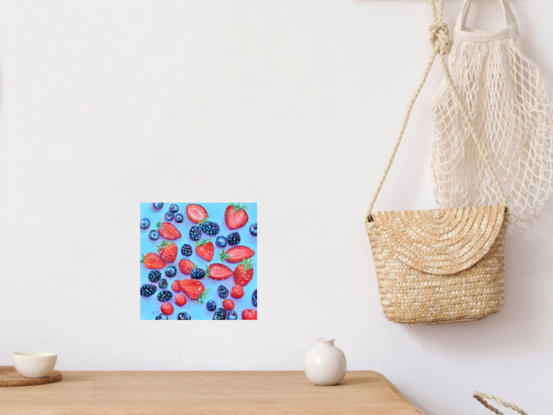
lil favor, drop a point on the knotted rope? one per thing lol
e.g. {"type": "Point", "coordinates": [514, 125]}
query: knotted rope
{"type": "Point", "coordinates": [481, 397]}
{"type": "Point", "coordinates": [439, 38]}
{"type": "Point", "coordinates": [441, 45]}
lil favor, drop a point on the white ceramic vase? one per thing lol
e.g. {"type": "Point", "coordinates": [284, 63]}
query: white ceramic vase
{"type": "Point", "coordinates": [325, 364]}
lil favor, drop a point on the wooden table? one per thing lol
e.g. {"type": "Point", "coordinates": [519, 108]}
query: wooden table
{"type": "Point", "coordinates": [213, 393]}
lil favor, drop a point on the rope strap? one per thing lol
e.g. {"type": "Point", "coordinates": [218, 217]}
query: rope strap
{"type": "Point", "coordinates": [481, 397]}
{"type": "Point", "coordinates": [441, 45]}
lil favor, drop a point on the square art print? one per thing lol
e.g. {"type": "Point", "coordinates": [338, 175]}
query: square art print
{"type": "Point", "coordinates": [198, 261]}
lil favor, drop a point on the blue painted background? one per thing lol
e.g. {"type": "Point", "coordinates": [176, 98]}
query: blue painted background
{"type": "Point", "coordinates": [150, 307]}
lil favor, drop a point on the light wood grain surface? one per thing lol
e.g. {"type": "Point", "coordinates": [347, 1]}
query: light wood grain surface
{"type": "Point", "coordinates": [213, 393]}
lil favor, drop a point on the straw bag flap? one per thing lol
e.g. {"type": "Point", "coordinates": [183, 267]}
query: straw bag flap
{"type": "Point", "coordinates": [439, 241]}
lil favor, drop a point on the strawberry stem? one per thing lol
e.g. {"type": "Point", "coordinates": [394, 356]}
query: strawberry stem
{"type": "Point", "coordinates": [142, 259]}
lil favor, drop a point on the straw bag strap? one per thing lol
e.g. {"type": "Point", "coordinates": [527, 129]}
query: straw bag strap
{"type": "Point", "coordinates": [441, 44]}
{"type": "Point", "coordinates": [481, 397]}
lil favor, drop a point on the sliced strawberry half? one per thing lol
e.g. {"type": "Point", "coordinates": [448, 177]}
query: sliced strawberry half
{"type": "Point", "coordinates": [218, 272]}
{"type": "Point", "coordinates": [152, 261]}
{"type": "Point", "coordinates": [236, 216]}
{"type": "Point", "coordinates": [236, 254]}
{"type": "Point", "coordinates": [168, 231]}
{"type": "Point", "coordinates": [196, 213]}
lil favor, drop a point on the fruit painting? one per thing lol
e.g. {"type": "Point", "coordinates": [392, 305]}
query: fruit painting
{"type": "Point", "coordinates": [198, 261]}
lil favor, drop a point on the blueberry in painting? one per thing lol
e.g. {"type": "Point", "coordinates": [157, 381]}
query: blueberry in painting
{"type": "Point", "coordinates": [154, 235]}
{"type": "Point", "coordinates": [253, 229]}
{"type": "Point", "coordinates": [209, 274]}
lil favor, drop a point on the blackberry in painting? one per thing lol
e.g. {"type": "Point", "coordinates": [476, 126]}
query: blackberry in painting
{"type": "Point", "coordinates": [233, 238]}
{"type": "Point", "coordinates": [254, 297]}
{"type": "Point", "coordinates": [195, 233]}
{"type": "Point", "coordinates": [186, 250]}
{"type": "Point", "coordinates": [222, 291]}
{"type": "Point", "coordinates": [164, 296]}
{"type": "Point", "coordinates": [220, 314]}
{"type": "Point", "coordinates": [163, 284]}
{"type": "Point", "coordinates": [148, 290]}
{"type": "Point", "coordinates": [197, 273]}
{"type": "Point", "coordinates": [154, 276]}
{"type": "Point", "coordinates": [209, 228]}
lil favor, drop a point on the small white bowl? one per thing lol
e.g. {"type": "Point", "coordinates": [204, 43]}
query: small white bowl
{"type": "Point", "coordinates": [34, 364]}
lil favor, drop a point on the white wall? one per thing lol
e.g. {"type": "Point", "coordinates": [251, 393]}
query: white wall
{"type": "Point", "coordinates": [290, 103]}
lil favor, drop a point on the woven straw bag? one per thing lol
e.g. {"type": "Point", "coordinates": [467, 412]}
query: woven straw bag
{"type": "Point", "coordinates": [481, 397]}
{"type": "Point", "coordinates": [442, 265]}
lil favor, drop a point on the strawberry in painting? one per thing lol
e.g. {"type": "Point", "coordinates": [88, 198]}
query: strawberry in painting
{"type": "Point", "coordinates": [205, 249]}
{"type": "Point", "coordinates": [249, 314]}
{"type": "Point", "coordinates": [236, 254]}
{"type": "Point", "coordinates": [243, 273]}
{"type": "Point", "coordinates": [219, 272]}
{"type": "Point", "coordinates": [186, 266]}
{"type": "Point", "coordinates": [152, 261]}
{"type": "Point", "coordinates": [236, 216]}
{"type": "Point", "coordinates": [196, 213]}
{"type": "Point", "coordinates": [194, 289]}
{"type": "Point", "coordinates": [168, 231]}
{"type": "Point", "coordinates": [168, 251]}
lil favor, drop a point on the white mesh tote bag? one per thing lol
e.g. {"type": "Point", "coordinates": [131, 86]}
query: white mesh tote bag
{"type": "Point", "coordinates": [508, 104]}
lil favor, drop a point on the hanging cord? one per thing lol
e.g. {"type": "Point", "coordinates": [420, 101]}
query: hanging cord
{"type": "Point", "coordinates": [481, 397]}
{"type": "Point", "coordinates": [441, 45]}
